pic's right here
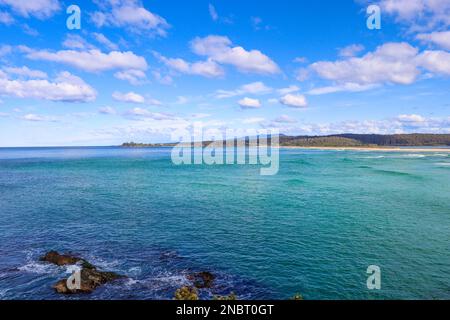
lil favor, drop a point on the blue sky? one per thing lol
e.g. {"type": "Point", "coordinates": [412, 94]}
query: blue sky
{"type": "Point", "coordinates": [138, 70]}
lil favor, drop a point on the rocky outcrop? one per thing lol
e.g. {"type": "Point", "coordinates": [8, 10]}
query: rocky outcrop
{"type": "Point", "coordinates": [65, 259]}
{"type": "Point", "coordinates": [90, 277]}
{"type": "Point", "coordinates": [202, 280]}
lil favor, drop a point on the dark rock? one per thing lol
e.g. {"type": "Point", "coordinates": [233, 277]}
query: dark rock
{"type": "Point", "coordinates": [65, 259]}
{"type": "Point", "coordinates": [90, 277]}
{"type": "Point", "coordinates": [60, 259]}
{"type": "Point", "coordinates": [202, 280]}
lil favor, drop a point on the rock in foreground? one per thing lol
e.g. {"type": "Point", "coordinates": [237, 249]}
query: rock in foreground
{"type": "Point", "coordinates": [90, 277]}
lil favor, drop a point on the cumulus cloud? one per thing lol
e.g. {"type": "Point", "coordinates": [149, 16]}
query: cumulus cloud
{"type": "Point", "coordinates": [390, 63]}
{"type": "Point", "coordinates": [249, 103]}
{"type": "Point", "coordinates": [250, 88]}
{"type": "Point", "coordinates": [131, 97]}
{"type": "Point", "coordinates": [435, 61]}
{"type": "Point", "coordinates": [66, 87]}
{"type": "Point", "coordinates": [130, 14]}
{"type": "Point", "coordinates": [418, 14]}
{"type": "Point", "coordinates": [41, 9]}
{"type": "Point", "coordinates": [221, 50]}
{"type": "Point", "coordinates": [441, 39]}
{"type": "Point", "coordinates": [91, 60]}
{"type": "Point", "coordinates": [208, 69]}
{"type": "Point", "coordinates": [25, 72]}
{"type": "Point", "coordinates": [294, 101]}
{"type": "Point", "coordinates": [396, 125]}
{"type": "Point", "coordinates": [411, 118]}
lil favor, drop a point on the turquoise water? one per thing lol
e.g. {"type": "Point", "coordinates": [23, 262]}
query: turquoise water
{"type": "Point", "coordinates": [314, 228]}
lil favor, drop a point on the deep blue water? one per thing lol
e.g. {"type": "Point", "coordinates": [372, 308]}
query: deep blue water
{"type": "Point", "coordinates": [313, 229]}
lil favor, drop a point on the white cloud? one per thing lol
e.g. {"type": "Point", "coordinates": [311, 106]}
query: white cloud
{"type": "Point", "coordinates": [396, 125]}
{"type": "Point", "coordinates": [133, 76]}
{"type": "Point", "coordinates": [6, 18]}
{"type": "Point", "coordinates": [107, 110]}
{"type": "Point", "coordinates": [441, 39]}
{"type": "Point", "coordinates": [294, 100]}
{"type": "Point", "coordinates": [249, 103]}
{"type": "Point", "coordinates": [130, 14]}
{"type": "Point", "coordinates": [391, 62]}
{"type": "Point", "coordinates": [75, 41]}
{"type": "Point", "coordinates": [250, 88]}
{"type": "Point", "coordinates": [92, 60]}
{"type": "Point", "coordinates": [41, 9]}
{"type": "Point", "coordinates": [411, 118]}
{"type": "Point", "coordinates": [346, 87]}
{"type": "Point", "coordinates": [220, 50]}
{"type": "Point", "coordinates": [351, 50]}
{"type": "Point", "coordinates": [102, 39]}
{"type": "Point", "coordinates": [419, 14]}
{"type": "Point", "coordinates": [38, 118]}
{"type": "Point", "coordinates": [66, 87]}
{"type": "Point", "coordinates": [209, 68]}
{"type": "Point", "coordinates": [131, 97]}
{"type": "Point", "coordinates": [213, 12]}
{"type": "Point", "coordinates": [290, 89]}
{"type": "Point", "coordinates": [435, 61]}
{"type": "Point", "coordinates": [26, 72]}
{"type": "Point", "coordinates": [144, 113]}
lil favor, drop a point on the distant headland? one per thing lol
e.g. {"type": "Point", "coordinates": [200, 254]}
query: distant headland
{"type": "Point", "coordinates": [359, 141]}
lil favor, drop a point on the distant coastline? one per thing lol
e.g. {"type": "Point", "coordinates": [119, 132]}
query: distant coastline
{"type": "Point", "coordinates": [358, 142]}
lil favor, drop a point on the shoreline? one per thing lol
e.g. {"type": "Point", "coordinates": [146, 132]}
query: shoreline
{"type": "Point", "coordinates": [386, 149]}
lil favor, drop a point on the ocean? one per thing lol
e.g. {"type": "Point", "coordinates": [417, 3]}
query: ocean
{"type": "Point", "coordinates": [314, 228]}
